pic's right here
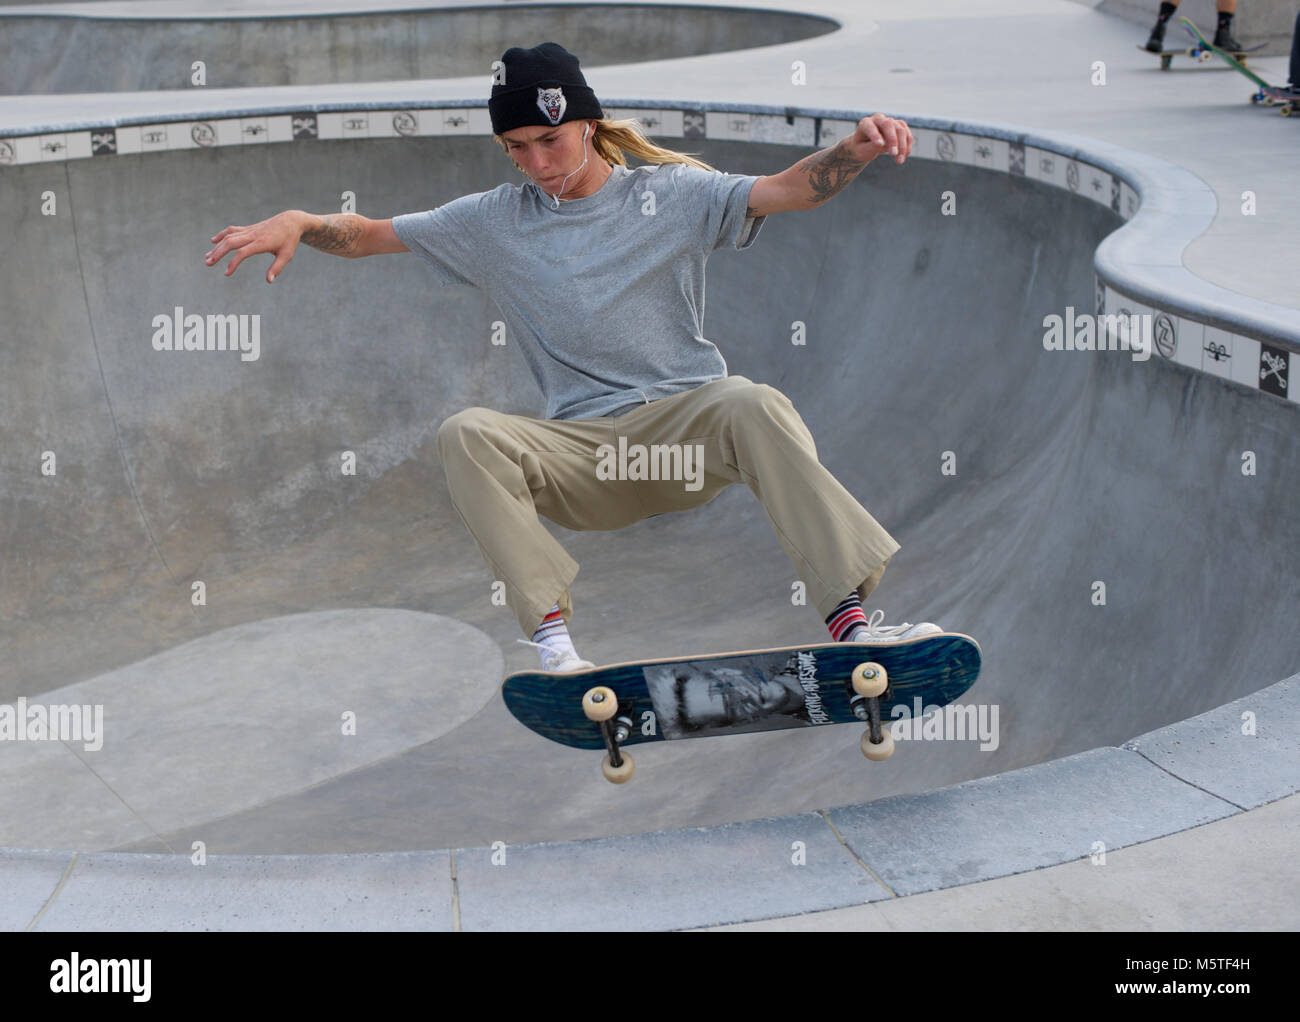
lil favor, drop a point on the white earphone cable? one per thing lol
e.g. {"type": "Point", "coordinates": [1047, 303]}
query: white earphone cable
{"type": "Point", "coordinates": [555, 199]}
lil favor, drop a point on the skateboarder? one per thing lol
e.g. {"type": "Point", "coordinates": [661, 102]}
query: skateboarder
{"type": "Point", "coordinates": [598, 270]}
{"type": "Point", "coordinates": [1222, 33]}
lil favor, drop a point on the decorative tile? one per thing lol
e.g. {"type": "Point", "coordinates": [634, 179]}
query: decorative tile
{"type": "Point", "coordinates": [103, 142]}
{"type": "Point", "coordinates": [1122, 307]}
{"type": "Point", "coordinates": [923, 143]}
{"type": "Point", "coordinates": [1095, 183]}
{"type": "Point", "coordinates": [454, 121]}
{"type": "Point", "coordinates": [944, 146]}
{"type": "Point", "coordinates": [1191, 339]}
{"type": "Point", "coordinates": [1165, 330]}
{"type": "Point", "coordinates": [480, 121]}
{"type": "Point", "coordinates": [355, 124]}
{"type": "Point", "coordinates": [1073, 176]}
{"type": "Point", "coordinates": [304, 126]}
{"type": "Point", "coordinates": [954, 147]}
{"type": "Point", "coordinates": [1128, 201]}
{"type": "Point", "coordinates": [1244, 365]}
{"type": "Point", "coordinates": [832, 129]}
{"type": "Point", "coordinates": [1045, 165]}
{"type": "Point", "coordinates": [663, 123]}
{"type": "Point", "coordinates": [397, 123]}
{"type": "Point", "coordinates": [156, 138]}
{"type": "Point", "coordinates": [203, 135]}
{"type": "Point", "coordinates": [780, 131]}
{"type": "Point", "coordinates": [1274, 371]}
{"type": "Point", "coordinates": [53, 147]}
{"type": "Point", "coordinates": [733, 126]}
{"type": "Point", "coordinates": [1016, 158]}
{"type": "Point", "coordinates": [1217, 352]}
{"type": "Point", "coordinates": [1173, 337]}
{"type": "Point", "coordinates": [990, 153]}
{"type": "Point", "coordinates": [130, 139]}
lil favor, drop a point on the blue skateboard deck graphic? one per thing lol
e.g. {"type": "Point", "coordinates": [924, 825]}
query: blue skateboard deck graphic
{"type": "Point", "coordinates": [740, 692]}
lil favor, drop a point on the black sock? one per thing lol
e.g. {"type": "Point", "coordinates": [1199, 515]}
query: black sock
{"type": "Point", "coordinates": [1225, 21]}
{"type": "Point", "coordinates": [1166, 12]}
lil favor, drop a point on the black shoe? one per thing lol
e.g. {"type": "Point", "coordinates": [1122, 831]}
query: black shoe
{"type": "Point", "coordinates": [1156, 43]}
{"type": "Point", "coordinates": [1224, 41]}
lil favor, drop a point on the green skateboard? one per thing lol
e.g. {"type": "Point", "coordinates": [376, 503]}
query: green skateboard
{"type": "Point", "coordinates": [734, 693]}
{"type": "Point", "coordinates": [1267, 94]}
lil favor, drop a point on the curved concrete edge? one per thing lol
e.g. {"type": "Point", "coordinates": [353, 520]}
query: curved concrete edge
{"type": "Point", "coordinates": [994, 826]}
{"type": "Point", "coordinates": [1222, 763]}
{"type": "Point", "coordinates": [191, 10]}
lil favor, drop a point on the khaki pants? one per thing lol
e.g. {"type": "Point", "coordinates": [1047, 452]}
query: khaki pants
{"type": "Point", "coordinates": [505, 470]}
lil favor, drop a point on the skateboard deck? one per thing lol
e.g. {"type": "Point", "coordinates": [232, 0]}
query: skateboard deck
{"type": "Point", "coordinates": [1264, 94]}
{"type": "Point", "coordinates": [1200, 50]}
{"type": "Point", "coordinates": [742, 692]}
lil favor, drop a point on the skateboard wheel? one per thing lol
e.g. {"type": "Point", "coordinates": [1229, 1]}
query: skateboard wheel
{"type": "Point", "coordinates": [617, 774]}
{"type": "Point", "coordinates": [599, 704]}
{"type": "Point", "coordinates": [870, 680]}
{"type": "Point", "coordinates": [1203, 56]}
{"type": "Point", "coordinates": [875, 752]}
{"type": "Point", "coordinates": [1285, 111]}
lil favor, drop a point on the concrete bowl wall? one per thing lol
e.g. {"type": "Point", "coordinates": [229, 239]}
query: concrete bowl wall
{"type": "Point", "coordinates": [94, 53]}
{"type": "Point", "coordinates": [923, 293]}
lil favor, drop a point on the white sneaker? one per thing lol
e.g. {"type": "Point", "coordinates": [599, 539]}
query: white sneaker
{"type": "Point", "coordinates": [560, 661]}
{"type": "Point", "coordinates": [875, 631]}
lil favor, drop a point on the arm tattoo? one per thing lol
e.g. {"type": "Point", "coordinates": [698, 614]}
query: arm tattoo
{"type": "Point", "coordinates": [829, 171]}
{"type": "Point", "coordinates": [337, 233]}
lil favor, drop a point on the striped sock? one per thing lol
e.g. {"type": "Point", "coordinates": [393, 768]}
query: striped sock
{"type": "Point", "coordinates": [553, 632]}
{"type": "Point", "coordinates": [846, 617]}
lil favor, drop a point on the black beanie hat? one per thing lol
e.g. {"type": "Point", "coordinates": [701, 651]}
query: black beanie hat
{"type": "Point", "coordinates": [542, 85]}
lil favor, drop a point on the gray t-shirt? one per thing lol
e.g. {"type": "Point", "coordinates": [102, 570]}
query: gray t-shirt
{"type": "Point", "coordinates": [604, 297]}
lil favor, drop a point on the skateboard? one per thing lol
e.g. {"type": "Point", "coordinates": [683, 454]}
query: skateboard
{"type": "Point", "coordinates": [1266, 94]}
{"type": "Point", "coordinates": [745, 691]}
{"type": "Point", "coordinates": [1200, 50]}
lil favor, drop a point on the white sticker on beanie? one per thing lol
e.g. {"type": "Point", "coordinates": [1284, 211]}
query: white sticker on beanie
{"type": "Point", "coordinates": [552, 103]}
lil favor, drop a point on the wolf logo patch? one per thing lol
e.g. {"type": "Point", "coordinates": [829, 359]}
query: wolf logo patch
{"type": "Point", "coordinates": [552, 103]}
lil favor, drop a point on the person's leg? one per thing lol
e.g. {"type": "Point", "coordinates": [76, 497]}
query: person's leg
{"type": "Point", "coordinates": [1295, 54]}
{"type": "Point", "coordinates": [1223, 31]}
{"type": "Point", "coordinates": [751, 433]}
{"type": "Point", "coordinates": [503, 471]}
{"type": "Point", "coordinates": [1156, 42]}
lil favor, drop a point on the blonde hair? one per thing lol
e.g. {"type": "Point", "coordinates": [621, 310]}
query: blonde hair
{"type": "Point", "coordinates": [615, 139]}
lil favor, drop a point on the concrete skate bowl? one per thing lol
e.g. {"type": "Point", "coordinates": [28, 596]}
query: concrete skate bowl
{"type": "Point", "coordinates": [332, 685]}
{"type": "Point", "coordinates": [89, 52]}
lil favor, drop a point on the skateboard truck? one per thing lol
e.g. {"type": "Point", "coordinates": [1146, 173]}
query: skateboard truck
{"type": "Point", "coordinates": [870, 681]}
{"type": "Point", "coordinates": [601, 705]}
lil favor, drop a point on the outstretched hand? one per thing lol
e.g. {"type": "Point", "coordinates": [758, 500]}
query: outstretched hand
{"type": "Point", "coordinates": [278, 235]}
{"type": "Point", "coordinates": [878, 134]}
